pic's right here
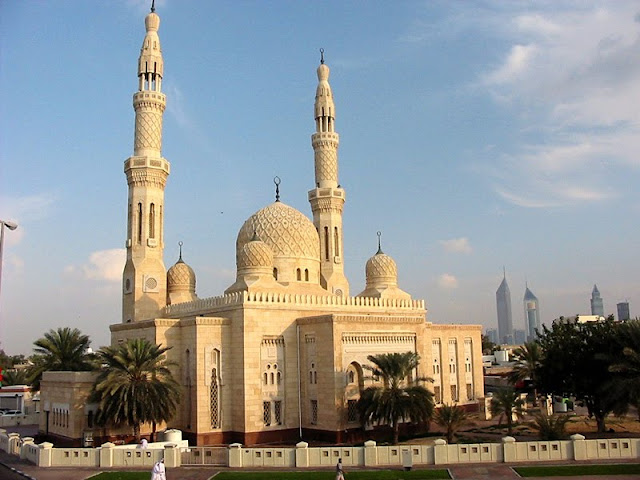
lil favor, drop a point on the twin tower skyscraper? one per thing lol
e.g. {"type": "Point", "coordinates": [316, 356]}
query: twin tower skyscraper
{"type": "Point", "coordinates": [506, 333]}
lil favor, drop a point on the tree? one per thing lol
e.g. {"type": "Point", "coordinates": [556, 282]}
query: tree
{"type": "Point", "coordinates": [505, 403]}
{"type": "Point", "coordinates": [575, 362]}
{"type": "Point", "coordinates": [623, 388]}
{"type": "Point", "coordinates": [452, 418]}
{"type": "Point", "coordinates": [552, 427]}
{"type": "Point", "coordinates": [397, 395]}
{"type": "Point", "coordinates": [135, 385]}
{"type": "Point", "coordinates": [487, 345]}
{"type": "Point", "coordinates": [527, 360]}
{"type": "Point", "coordinates": [64, 349]}
{"type": "Point", "coordinates": [14, 376]}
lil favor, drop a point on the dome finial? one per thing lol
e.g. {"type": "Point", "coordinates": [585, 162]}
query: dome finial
{"type": "Point", "coordinates": [276, 181]}
{"type": "Point", "coordinates": [322, 56]}
{"type": "Point", "coordinates": [180, 246]}
{"type": "Point", "coordinates": [153, 6]}
{"type": "Point", "coordinates": [379, 233]}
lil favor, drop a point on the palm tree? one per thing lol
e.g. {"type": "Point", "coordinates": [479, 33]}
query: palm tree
{"type": "Point", "coordinates": [624, 385]}
{"type": "Point", "coordinates": [505, 402]}
{"type": "Point", "coordinates": [64, 349]}
{"type": "Point", "coordinates": [451, 417]}
{"type": "Point", "coordinates": [552, 427]}
{"type": "Point", "coordinates": [135, 385]}
{"type": "Point", "coordinates": [14, 376]}
{"type": "Point", "coordinates": [397, 396]}
{"type": "Point", "coordinates": [527, 363]}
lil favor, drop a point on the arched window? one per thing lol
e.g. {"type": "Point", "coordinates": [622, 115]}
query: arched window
{"type": "Point", "coordinates": [326, 243]}
{"type": "Point", "coordinates": [266, 380]}
{"type": "Point", "coordinates": [152, 221]}
{"type": "Point", "coordinates": [279, 378]}
{"type": "Point", "coordinates": [298, 275]}
{"type": "Point", "coordinates": [275, 273]}
{"type": "Point", "coordinates": [352, 376]}
{"type": "Point", "coordinates": [271, 378]}
{"type": "Point", "coordinates": [336, 240]}
{"type": "Point", "coordinates": [306, 274]}
{"type": "Point", "coordinates": [139, 232]}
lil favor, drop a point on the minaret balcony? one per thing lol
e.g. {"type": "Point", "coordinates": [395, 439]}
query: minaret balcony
{"type": "Point", "coordinates": [147, 162]}
{"type": "Point", "coordinates": [316, 193]}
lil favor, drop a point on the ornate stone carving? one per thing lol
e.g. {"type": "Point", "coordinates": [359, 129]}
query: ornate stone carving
{"type": "Point", "coordinates": [148, 131]}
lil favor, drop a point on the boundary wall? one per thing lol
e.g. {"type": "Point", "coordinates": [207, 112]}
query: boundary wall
{"type": "Point", "coordinates": [301, 456]}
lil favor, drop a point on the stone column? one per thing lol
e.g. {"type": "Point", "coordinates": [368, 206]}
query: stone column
{"type": "Point", "coordinates": [23, 450]}
{"type": "Point", "coordinates": [13, 443]}
{"type": "Point", "coordinates": [302, 454]}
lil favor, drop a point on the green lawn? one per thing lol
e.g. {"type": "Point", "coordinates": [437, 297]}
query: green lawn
{"type": "Point", "coordinates": [579, 470]}
{"type": "Point", "coordinates": [325, 475]}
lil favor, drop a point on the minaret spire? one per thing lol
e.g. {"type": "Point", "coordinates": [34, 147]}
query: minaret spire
{"type": "Point", "coordinates": [145, 276]}
{"type": "Point", "coordinates": [327, 198]}
{"type": "Point", "coordinates": [153, 6]}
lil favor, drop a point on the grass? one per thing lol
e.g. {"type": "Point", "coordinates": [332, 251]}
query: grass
{"type": "Point", "coordinates": [325, 475]}
{"type": "Point", "coordinates": [579, 470]}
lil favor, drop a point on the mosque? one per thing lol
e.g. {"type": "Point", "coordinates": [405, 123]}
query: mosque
{"type": "Point", "coordinates": [279, 355]}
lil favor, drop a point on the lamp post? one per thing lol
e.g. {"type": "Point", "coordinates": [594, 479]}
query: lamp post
{"type": "Point", "coordinates": [10, 226]}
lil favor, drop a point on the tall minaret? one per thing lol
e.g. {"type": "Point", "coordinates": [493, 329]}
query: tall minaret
{"type": "Point", "coordinates": [145, 277]}
{"type": "Point", "coordinates": [327, 199]}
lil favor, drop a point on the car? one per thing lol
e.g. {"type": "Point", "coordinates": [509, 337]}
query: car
{"type": "Point", "coordinates": [12, 413]}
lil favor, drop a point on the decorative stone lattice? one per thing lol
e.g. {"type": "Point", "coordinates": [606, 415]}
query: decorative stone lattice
{"type": "Point", "coordinates": [326, 163]}
{"type": "Point", "coordinates": [381, 267]}
{"type": "Point", "coordinates": [148, 130]}
{"type": "Point", "coordinates": [181, 277]}
{"type": "Point", "coordinates": [284, 229]}
{"type": "Point", "coordinates": [255, 254]}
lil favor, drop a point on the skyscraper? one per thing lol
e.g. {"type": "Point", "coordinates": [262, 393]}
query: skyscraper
{"type": "Point", "coordinates": [531, 314]}
{"type": "Point", "coordinates": [503, 304]}
{"type": "Point", "coordinates": [597, 307]}
{"type": "Point", "coordinates": [623, 311]}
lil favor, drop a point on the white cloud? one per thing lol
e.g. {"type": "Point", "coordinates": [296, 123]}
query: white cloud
{"type": "Point", "coordinates": [448, 281]}
{"type": "Point", "coordinates": [457, 245]}
{"type": "Point", "coordinates": [102, 265]}
{"type": "Point", "coordinates": [571, 75]}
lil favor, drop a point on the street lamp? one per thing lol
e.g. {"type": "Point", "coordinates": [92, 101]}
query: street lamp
{"type": "Point", "coordinates": [10, 226]}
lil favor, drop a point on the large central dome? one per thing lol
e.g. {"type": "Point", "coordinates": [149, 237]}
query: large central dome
{"type": "Point", "coordinates": [287, 231]}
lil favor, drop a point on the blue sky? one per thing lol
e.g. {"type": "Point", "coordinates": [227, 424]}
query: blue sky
{"type": "Point", "coordinates": [472, 134]}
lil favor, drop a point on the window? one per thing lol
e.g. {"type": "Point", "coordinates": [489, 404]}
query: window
{"type": "Point", "coordinates": [277, 410]}
{"type": "Point", "coordinates": [454, 393]}
{"type": "Point", "coordinates": [314, 412]}
{"type": "Point", "coordinates": [139, 232]}
{"type": "Point", "coordinates": [352, 412]}
{"type": "Point", "coordinates": [152, 225]}
{"type": "Point", "coordinates": [336, 239]}
{"type": "Point", "coordinates": [326, 243]}
{"type": "Point", "coordinates": [306, 274]}
{"type": "Point", "coordinates": [298, 274]}
{"type": "Point", "coordinates": [469, 391]}
{"type": "Point", "coordinates": [351, 376]}
{"type": "Point", "coordinates": [214, 399]}
{"type": "Point", "coordinates": [266, 413]}
{"type": "Point", "coordinates": [275, 273]}
{"type": "Point", "coordinates": [437, 393]}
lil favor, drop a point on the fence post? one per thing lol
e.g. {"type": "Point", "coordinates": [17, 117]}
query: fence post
{"type": "Point", "coordinates": [302, 454]}
{"type": "Point", "coordinates": [45, 451]}
{"type": "Point", "coordinates": [13, 443]}
{"type": "Point", "coordinates": [440, 453]}
{"type": "Point", "coordinates": [171, 455]}
{"type": "Point", "coordinates": [579, 447]}
{"type": "Point", "coordinates": [370, 454]}
{"type": "Point", "coordinates": [25, 441]}
{"type": "Point", "coordinates": [106, 454]}
{"type": "Point", "coordinates": [235, 455]}
{"type": "Point", "coordinates": [509, 449]}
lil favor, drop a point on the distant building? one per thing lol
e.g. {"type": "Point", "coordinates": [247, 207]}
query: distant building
{"type": "Point", "coordinates": [503, 305]}
{"type": "Point", "coordinates": [623, 311]}
{"type": "Point", "coordinates": [492, 334]}
{"type": "Point", "coordinates": [584, 318]}
{"type": "Point", "coordinates": [519, 336]}
{"type": "Point", "coordinates": [597, 306]}
{"type": "Point", "coordinates": [531, 314]}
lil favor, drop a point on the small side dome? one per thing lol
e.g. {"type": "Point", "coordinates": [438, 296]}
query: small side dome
{"type": "Point", "coordinates": [254, 255]}
{"type": "Point", "coordinates": [181, 277]}
{"type": "Point", "coordinates": [381, 269]}
{"type": "Point", "coordinates": [181, 282]}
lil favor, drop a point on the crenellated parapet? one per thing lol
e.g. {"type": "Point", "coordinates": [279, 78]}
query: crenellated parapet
{"type": "Point", "coordinates": [272, 299]}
